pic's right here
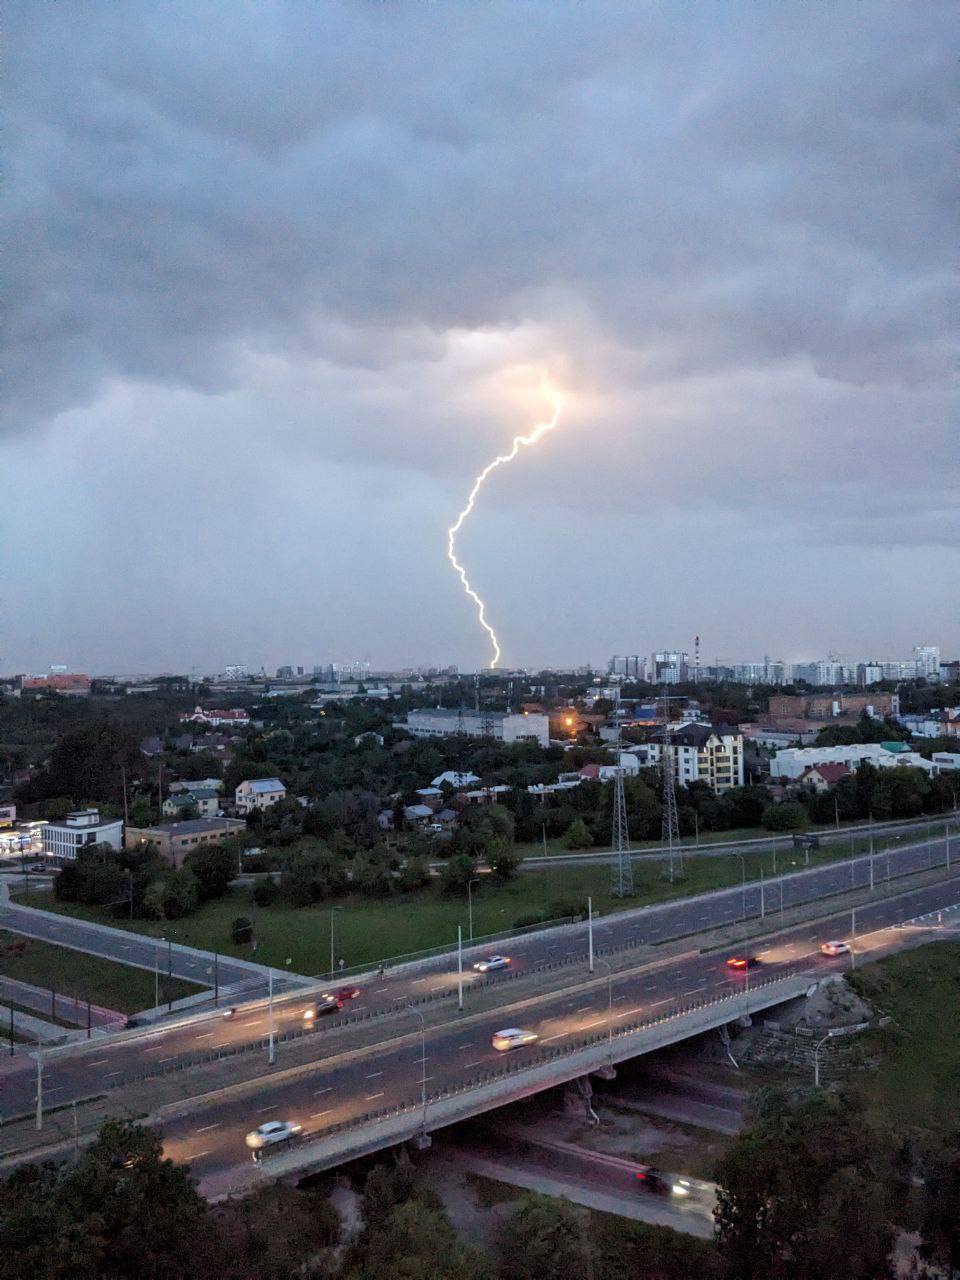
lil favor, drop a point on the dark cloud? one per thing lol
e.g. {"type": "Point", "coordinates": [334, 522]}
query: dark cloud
{"type": "Point", "coordinates": [356, 233]}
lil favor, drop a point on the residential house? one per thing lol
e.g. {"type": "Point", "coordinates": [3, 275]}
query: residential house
{"type": "Point", "coordinates": [206, 801]}
{"type": "Point", "coordinates": [431, 796]}
{"type": "Point", "coordinates": [417, 815]}
{"type": "Point", "coordinates": [823, 776]}
{"type": "Point", "coordinates": [258, 793]}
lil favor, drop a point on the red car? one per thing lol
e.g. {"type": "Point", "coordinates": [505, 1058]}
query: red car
{"type": "Point", "coordinates": [742, 962]}
{"type": "Point", "coordinates": [347, 993]}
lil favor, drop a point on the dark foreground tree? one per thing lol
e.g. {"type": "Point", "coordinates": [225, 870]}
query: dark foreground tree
{"type": "Point", "coordinates": [805, 1193]}
{"type": "Point", "coordinates": [545, 1239]}
{"type": "Point", "coordinates": [122, 1212]}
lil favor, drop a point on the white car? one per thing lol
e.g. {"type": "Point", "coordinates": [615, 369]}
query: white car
{"type": "Point", "coordinates": [273, 1131]}
{"type": "Point", "coordinates": [513, 1038]}
{"type": "Point", "coordinates": [834, 948]}
{"type": "Point", "coordinates": [489, 963]}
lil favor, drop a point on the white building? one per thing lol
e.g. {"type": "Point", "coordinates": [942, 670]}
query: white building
{"type": "Point", "coordinates": [438, 722]}
{"type": "Point", "coordinates": [947, 761]}
{"type": "Point", "coordinates": [80, 828]}
{"type": "Point", "coordinates": [791, 762]}
{"type": "Point", "coordinates": [926, 659]}
{"type": "Point", "coordinates": [258, 793]}
{"type": "Point", "coordinates": [454, 779]}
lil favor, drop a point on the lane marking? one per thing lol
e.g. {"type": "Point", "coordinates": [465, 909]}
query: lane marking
{"type": "Point", "coordinates": [317, 1114]}
{"type": "Point", "coordinates": [374, 1075]}
{"type": "Point", "coordinates": [373, 1096]}
{"type": "Point", "coordinates": [207, 1127]}
{"type": "Point", "coordinates": [317, 1092]}
{"type": "Point", "coordinates": [273, 1106]}
{"type": "Point", "coordinates": [197, 1155]}
{"type": "Point", "coordinates": [478, 1063]}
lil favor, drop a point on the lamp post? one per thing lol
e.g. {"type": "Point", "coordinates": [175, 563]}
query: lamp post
{"type": "Point", "coordinates": [743, 890]}
{"type": "Point", "coordinates": [609, 970]}
{"type": "Point", "coordinates": [332, 960]}
{"type": "Point", "coordinates": [470, 884]}
{"type": "Point", "coordinates": [460, 967]}
{"type": "Point", "coordinates": [423, 1069]}
{"type": "Point", "coordinates": [271, 1051]}
{"type": "Point", "coordinates": [816, 1059]}
{"type": "Point", "coordinates": [589, 935]}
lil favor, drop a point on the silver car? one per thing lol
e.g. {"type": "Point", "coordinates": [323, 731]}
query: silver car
{"type": "Point", "coordinates": [273, 1131]}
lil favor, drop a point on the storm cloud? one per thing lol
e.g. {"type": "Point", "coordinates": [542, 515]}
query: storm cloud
{"type": "Point", "coordinates": [282, 276]}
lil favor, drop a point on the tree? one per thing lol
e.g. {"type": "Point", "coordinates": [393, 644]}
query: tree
{"type": "Point", "coordinates": [577, 835]}
{"type": "Point", "coordinates": [805, 1192]}
{"type": "Point", "coordinates": [414, 874]}
{"type": "Point", "coordinates": [788, 816]}
{"type": "Point", "coordinates": [406, 1235]}
{"type": "Point", "coordinates": [545, 1239]}
{"type": "Point", "coordinates": [502, 860]}
{"type": "Point", "coordinates": [312, 873]}
{"type": "Point", "coordinates": [213, 867]}
{"type": "Point", "coordinates": [457, 874]}
{"type": "Point", "coordinates": [372, 874]}
{"type": "Point", "coordinates": [940, 1228]}
{"type": "Point", "coordinates": [122, 1211]}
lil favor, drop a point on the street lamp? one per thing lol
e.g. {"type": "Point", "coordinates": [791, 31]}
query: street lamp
{"type": "Point", "coordinates": [423, 1069]}
{"type": "Point", "coordinates": [470, 884]}
{"type": "Point", "coordinates": [816, 1059]}
{"type": "Point", "coordinates": [332, 962]}
{"type": "Point", "coordinates": [609, 970]}
{"type": "Point", "coordinates": [743, 890]}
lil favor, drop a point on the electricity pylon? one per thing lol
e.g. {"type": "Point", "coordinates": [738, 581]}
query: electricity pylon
{"type": "Point", "coordinates": [670, 821]}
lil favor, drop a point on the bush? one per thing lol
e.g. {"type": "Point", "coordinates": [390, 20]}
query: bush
{"type": "Point", "coordinates": [266, 891]}
{"type": "Point", "coordinates": [241, 930]}
{"type": "Point", "coordinates": [788, 816]}
{"type": "Point", "coordinates": [524, 922]}
{"type": "Point", "coordinates": [577, 835]}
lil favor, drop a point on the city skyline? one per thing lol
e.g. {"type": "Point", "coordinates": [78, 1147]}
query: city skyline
{"type": "Point", "coordinates": [286, 282]}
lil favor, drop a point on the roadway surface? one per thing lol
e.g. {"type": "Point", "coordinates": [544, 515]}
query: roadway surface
{"type": "Point", "coordinates": [391, 1073]}
{"type": "Point", "coordinates": [165, 957]}
{"type": "Point", "coordinates": [85, 1070]}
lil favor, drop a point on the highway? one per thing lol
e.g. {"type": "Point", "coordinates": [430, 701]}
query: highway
{"type": "Point", "coordinates": [88, 1068]}
{"type": "Point", "coordinates": [393, 1072]}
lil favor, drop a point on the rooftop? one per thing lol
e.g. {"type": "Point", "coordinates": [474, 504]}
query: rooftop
{"type": "Point", "coordinates": [193, 826]}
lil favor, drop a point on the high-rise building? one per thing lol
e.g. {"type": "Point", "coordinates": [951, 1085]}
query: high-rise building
{"type": "Point", "coordinates": [926, 659]}
{"type": "Point", "coordinates": [671, 666]}
{"type": "Point", "coordinates": [631, 667]}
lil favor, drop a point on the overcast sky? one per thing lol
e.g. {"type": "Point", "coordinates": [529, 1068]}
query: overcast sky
{"type": "Point", "coordinates": [283, 276]}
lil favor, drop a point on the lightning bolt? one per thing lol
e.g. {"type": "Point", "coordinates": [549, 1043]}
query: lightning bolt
{"type": "Point", "coordinates": [519, 442]}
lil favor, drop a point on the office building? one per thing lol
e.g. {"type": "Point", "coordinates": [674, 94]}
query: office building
{"type": "Point", "coordinates": [81, 828]}
{"type": "Point", "coordinates": [176, 839]}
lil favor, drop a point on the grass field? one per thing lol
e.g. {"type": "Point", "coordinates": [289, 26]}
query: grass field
{"type": "Point", "coordinates": [72, 973]}
{"type": "Point", "coordinates": [367, 931]}
{"type": "Point", "coordinates": [918, 1080]}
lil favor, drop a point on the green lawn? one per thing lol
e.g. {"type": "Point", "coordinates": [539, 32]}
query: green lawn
{"type": "Point", "coordinates": [919, 1076]}
{"type": "Point", "coordinates": [367, 931]}
{"type": "Point", "coordinates": [72, 973]}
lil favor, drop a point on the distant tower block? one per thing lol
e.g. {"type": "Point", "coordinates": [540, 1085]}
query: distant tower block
{"type": "Point", "coordinates": [621, 870]}
{"type": "Point", "coordinates": [696, 659]}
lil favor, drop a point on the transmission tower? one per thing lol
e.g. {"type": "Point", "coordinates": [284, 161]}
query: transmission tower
{"type": "Point", "coordinates": [621, 871]}
{"type": "Point", "coordinates": [671, 823]}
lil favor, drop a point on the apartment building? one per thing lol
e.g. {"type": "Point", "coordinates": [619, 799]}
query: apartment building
{"type": "Point", "coordinates": [700, 754]}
